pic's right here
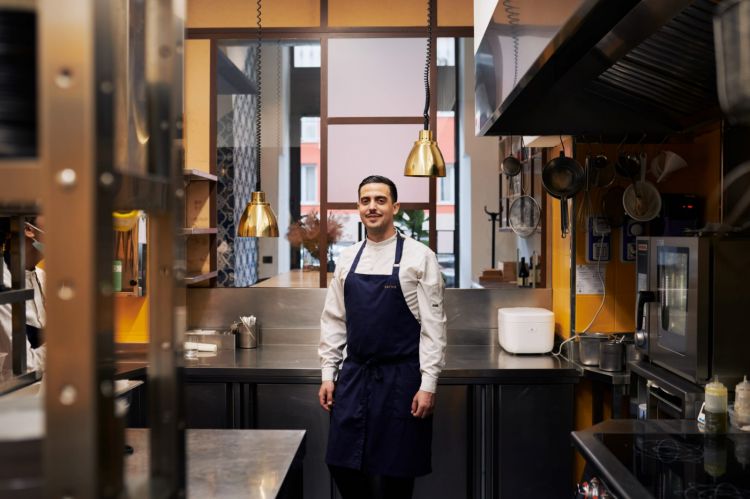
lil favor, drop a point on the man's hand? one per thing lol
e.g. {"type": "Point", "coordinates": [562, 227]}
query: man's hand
{"type": "Point", "coordinates": [422, 404]}
{"type": "Point", "coordinates": [325, 395]}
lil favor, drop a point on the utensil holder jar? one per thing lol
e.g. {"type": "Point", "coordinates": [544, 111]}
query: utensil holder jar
{"type": "Point", "coordinates": [247, 336]}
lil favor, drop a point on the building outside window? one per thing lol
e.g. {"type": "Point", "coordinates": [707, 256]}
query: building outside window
{"type": "Point", "coordinates": [310, 131]}
{"type": "Point", "coordinates": [307, 56]}
{"type": "Point", "coordinates": [447, 186]}
{"type": "Point", "coordinates": [309, 184]}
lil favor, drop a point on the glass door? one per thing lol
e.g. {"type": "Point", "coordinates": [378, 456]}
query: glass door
{"type": "Point", "coordinates": [673, 278]}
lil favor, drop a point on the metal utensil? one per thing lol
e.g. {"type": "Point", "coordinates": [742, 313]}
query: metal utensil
{"type": "Point", "coordinates": [612, 206]}
{"type": "Point", "coordinates": [588, 347]}
{"type": "Point", "coordinates": [524, 215]}
{"type": "Point", "coordinates": [641, 200]}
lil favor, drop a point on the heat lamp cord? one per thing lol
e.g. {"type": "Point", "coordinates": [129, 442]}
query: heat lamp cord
{"type": "Point", "coordinates": [426, 113]}
{"type": "Point", "coordinates": [258, 73]}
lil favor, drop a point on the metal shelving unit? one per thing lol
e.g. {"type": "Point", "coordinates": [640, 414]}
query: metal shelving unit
{"type": "Point", "coordinates": [199, 231]}
{"type": "Point", "coordinates": [76, 185]}
{"type": "Point", "coordinates": [196, 278]}
{"type": "Point", "coordinates": [16, 296]}
{"type": "Point", "coordinates": [192, 175]}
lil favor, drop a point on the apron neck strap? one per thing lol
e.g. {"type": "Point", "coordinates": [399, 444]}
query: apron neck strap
{"type": "Point", "coordinates": [399, 252]}
{"type": "Point", "coordinates": [396, 262]}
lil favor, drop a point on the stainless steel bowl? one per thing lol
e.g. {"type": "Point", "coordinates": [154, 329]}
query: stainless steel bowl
{"type": "Point", "coordinates": [588, 347]}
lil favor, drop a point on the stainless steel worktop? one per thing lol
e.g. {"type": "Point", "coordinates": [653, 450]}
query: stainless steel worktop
{"type": "Point", "coordinates": [464, 364]}
{"type": "Point", "coordinates": [224, 463]}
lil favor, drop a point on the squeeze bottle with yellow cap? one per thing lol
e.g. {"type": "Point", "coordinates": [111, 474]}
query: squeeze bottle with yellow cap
{"type": "Point", "coordinates": [716, 407]}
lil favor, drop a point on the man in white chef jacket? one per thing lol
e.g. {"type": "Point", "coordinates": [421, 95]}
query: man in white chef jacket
{"type": "Point", "coordinates": [385, 305]}
{"type": "Point", "coordinates": [36, 316]}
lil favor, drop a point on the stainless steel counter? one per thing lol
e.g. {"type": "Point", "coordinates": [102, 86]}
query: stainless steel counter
{"type": "Point", "coordinates": [485, 364]}
{"type": "Point", "coordinates": [224, 463]}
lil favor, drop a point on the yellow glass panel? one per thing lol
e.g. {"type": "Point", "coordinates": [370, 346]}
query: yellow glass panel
{"type": "Point", "coordinates": [241, 13]}
{"type": "Point", "coordinates": [197, 99]}
{"type": "Point", "coordinates": [455, 12]}
{"type": "Point", "coordinates": [348, 13]}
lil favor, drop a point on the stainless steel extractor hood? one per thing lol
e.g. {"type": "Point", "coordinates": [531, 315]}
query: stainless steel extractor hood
{"type": "Point", "coordinates": [610, 68]}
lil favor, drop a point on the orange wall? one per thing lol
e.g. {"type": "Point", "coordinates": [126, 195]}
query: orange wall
{"type": "Point", "coordinates": [341, 13]}
{"type": "Point", "coordinates": [131, 319]}
{"type": "Point", "coordinates": [241, 13]}
{"type": "Point", "coordinates": [197, 104]}
{"type": "Point", "coordinates": [702, 177]}
{"type": "Point", "coordinates": [560, 258]}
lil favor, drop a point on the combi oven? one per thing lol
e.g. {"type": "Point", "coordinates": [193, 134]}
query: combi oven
{"type": "Point", "coordinates": [693, 306]}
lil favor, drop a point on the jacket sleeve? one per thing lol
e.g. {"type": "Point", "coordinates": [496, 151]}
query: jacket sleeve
{"type": "Point", "coordinates": [433, 337]}
{"type": "Point", "coordinates": [333, 328]}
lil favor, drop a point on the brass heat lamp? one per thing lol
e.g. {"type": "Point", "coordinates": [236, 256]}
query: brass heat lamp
{"type": "Point", "coordinates": [425, 158]}
{"type": "Point", "coordinates": [258, 219]}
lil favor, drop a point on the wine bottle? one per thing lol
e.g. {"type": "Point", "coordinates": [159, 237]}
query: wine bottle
{"type": "Point", "coordinates": [523, 273]}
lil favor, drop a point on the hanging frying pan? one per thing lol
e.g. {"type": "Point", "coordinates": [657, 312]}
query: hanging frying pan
{"type": "Point", "coordinates": [562, 178]}
{"type": "Point", "coordinates": [511, 165]}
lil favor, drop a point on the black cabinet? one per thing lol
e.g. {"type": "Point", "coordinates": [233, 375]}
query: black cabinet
{"type": "Point", "coordinates": [450, 446]}
{"type": "Point", "coordinates": [210, 405]}
{"type": "Point", "coordinates": [489, 441]}
{"type": "Point", "coordinates": [296, 407]}
{"type": "Point", "coordinates": [534, 456]}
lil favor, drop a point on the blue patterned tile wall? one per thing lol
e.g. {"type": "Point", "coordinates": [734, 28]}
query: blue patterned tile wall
{"type": "Point", "coordinates": [237, 168]}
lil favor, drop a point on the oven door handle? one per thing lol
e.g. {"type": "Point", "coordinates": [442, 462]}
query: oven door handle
{"type": "Point", "coordinates": [643, 298]}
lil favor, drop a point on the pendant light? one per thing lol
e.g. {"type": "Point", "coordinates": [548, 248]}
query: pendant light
{"type": "Point", "coordinates": [258, 219]}
{"type": "Point", "coordinates": [425, 158]}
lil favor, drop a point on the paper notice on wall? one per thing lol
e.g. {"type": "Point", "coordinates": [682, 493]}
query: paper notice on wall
{"type": "Point", "coordinates": [590, 280]}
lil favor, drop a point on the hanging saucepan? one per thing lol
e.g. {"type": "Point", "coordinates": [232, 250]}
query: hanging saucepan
{"type": "Point", "coordinates": [562, 178]}
{"type": "Point", "coordinates": [511, 165]}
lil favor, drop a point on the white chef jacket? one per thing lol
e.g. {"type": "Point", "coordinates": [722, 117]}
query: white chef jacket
{"type": "Point", "coordinates": [36, 315]}
{"type": "Point", "coordinates": [422, 285]}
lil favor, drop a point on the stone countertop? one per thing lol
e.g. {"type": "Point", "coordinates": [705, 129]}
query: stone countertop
{"type": "Point", "coordinates": [485, 364]}
{"type": "Point", "coordinates": [224, 463]}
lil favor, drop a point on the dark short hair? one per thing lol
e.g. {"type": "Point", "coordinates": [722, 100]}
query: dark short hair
{"type": "Point", "coordinates": [379, 179]}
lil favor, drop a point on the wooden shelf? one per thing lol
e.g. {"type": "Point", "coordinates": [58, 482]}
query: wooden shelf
{"type": "Point", "coordinates": [196, 231]}
{"type": "Point", "coordinates": [196, 278]}
{"type": "Point", "coordinates": [193, 175]}
{"type": "Point", "coordinates": [16, 295]}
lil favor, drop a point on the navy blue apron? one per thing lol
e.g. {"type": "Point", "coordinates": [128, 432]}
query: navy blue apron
{"type": "Point", "coordinates": [372, 428]}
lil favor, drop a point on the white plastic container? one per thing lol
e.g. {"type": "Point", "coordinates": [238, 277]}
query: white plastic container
{"type": "Point", "coordinates": [526, 329]}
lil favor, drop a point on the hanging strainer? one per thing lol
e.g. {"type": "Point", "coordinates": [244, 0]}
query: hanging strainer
{"type": "Point", "coordinates": [524, 216]}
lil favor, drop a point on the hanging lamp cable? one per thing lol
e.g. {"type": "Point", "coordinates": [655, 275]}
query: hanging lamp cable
{"type": "Point", "coordinates": [259, 78]}
{"type": "Point", "coordinates": [426, 113]}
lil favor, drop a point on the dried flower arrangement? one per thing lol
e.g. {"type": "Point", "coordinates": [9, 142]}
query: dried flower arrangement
{"type": "Point", "coordinates": [306, 231]}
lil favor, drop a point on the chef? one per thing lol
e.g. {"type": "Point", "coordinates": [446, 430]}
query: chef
{"type": "Point", "coordinates": [385, 305]}
{"type": "Point", "coordinates": [36, 316]}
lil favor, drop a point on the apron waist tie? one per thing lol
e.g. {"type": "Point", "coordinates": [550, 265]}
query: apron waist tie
{"type": "Point", "coordinates": [372, 365]}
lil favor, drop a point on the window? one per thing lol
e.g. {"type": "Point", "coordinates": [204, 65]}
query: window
{"type": "Point", "coordinates": [310, 129]}
{"type": "Point", "coordinates": [307, 56]}
{"type": "Point", "coordinates": [309, 184]}
{"type": "Point", "coordinates": [446, 193]}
